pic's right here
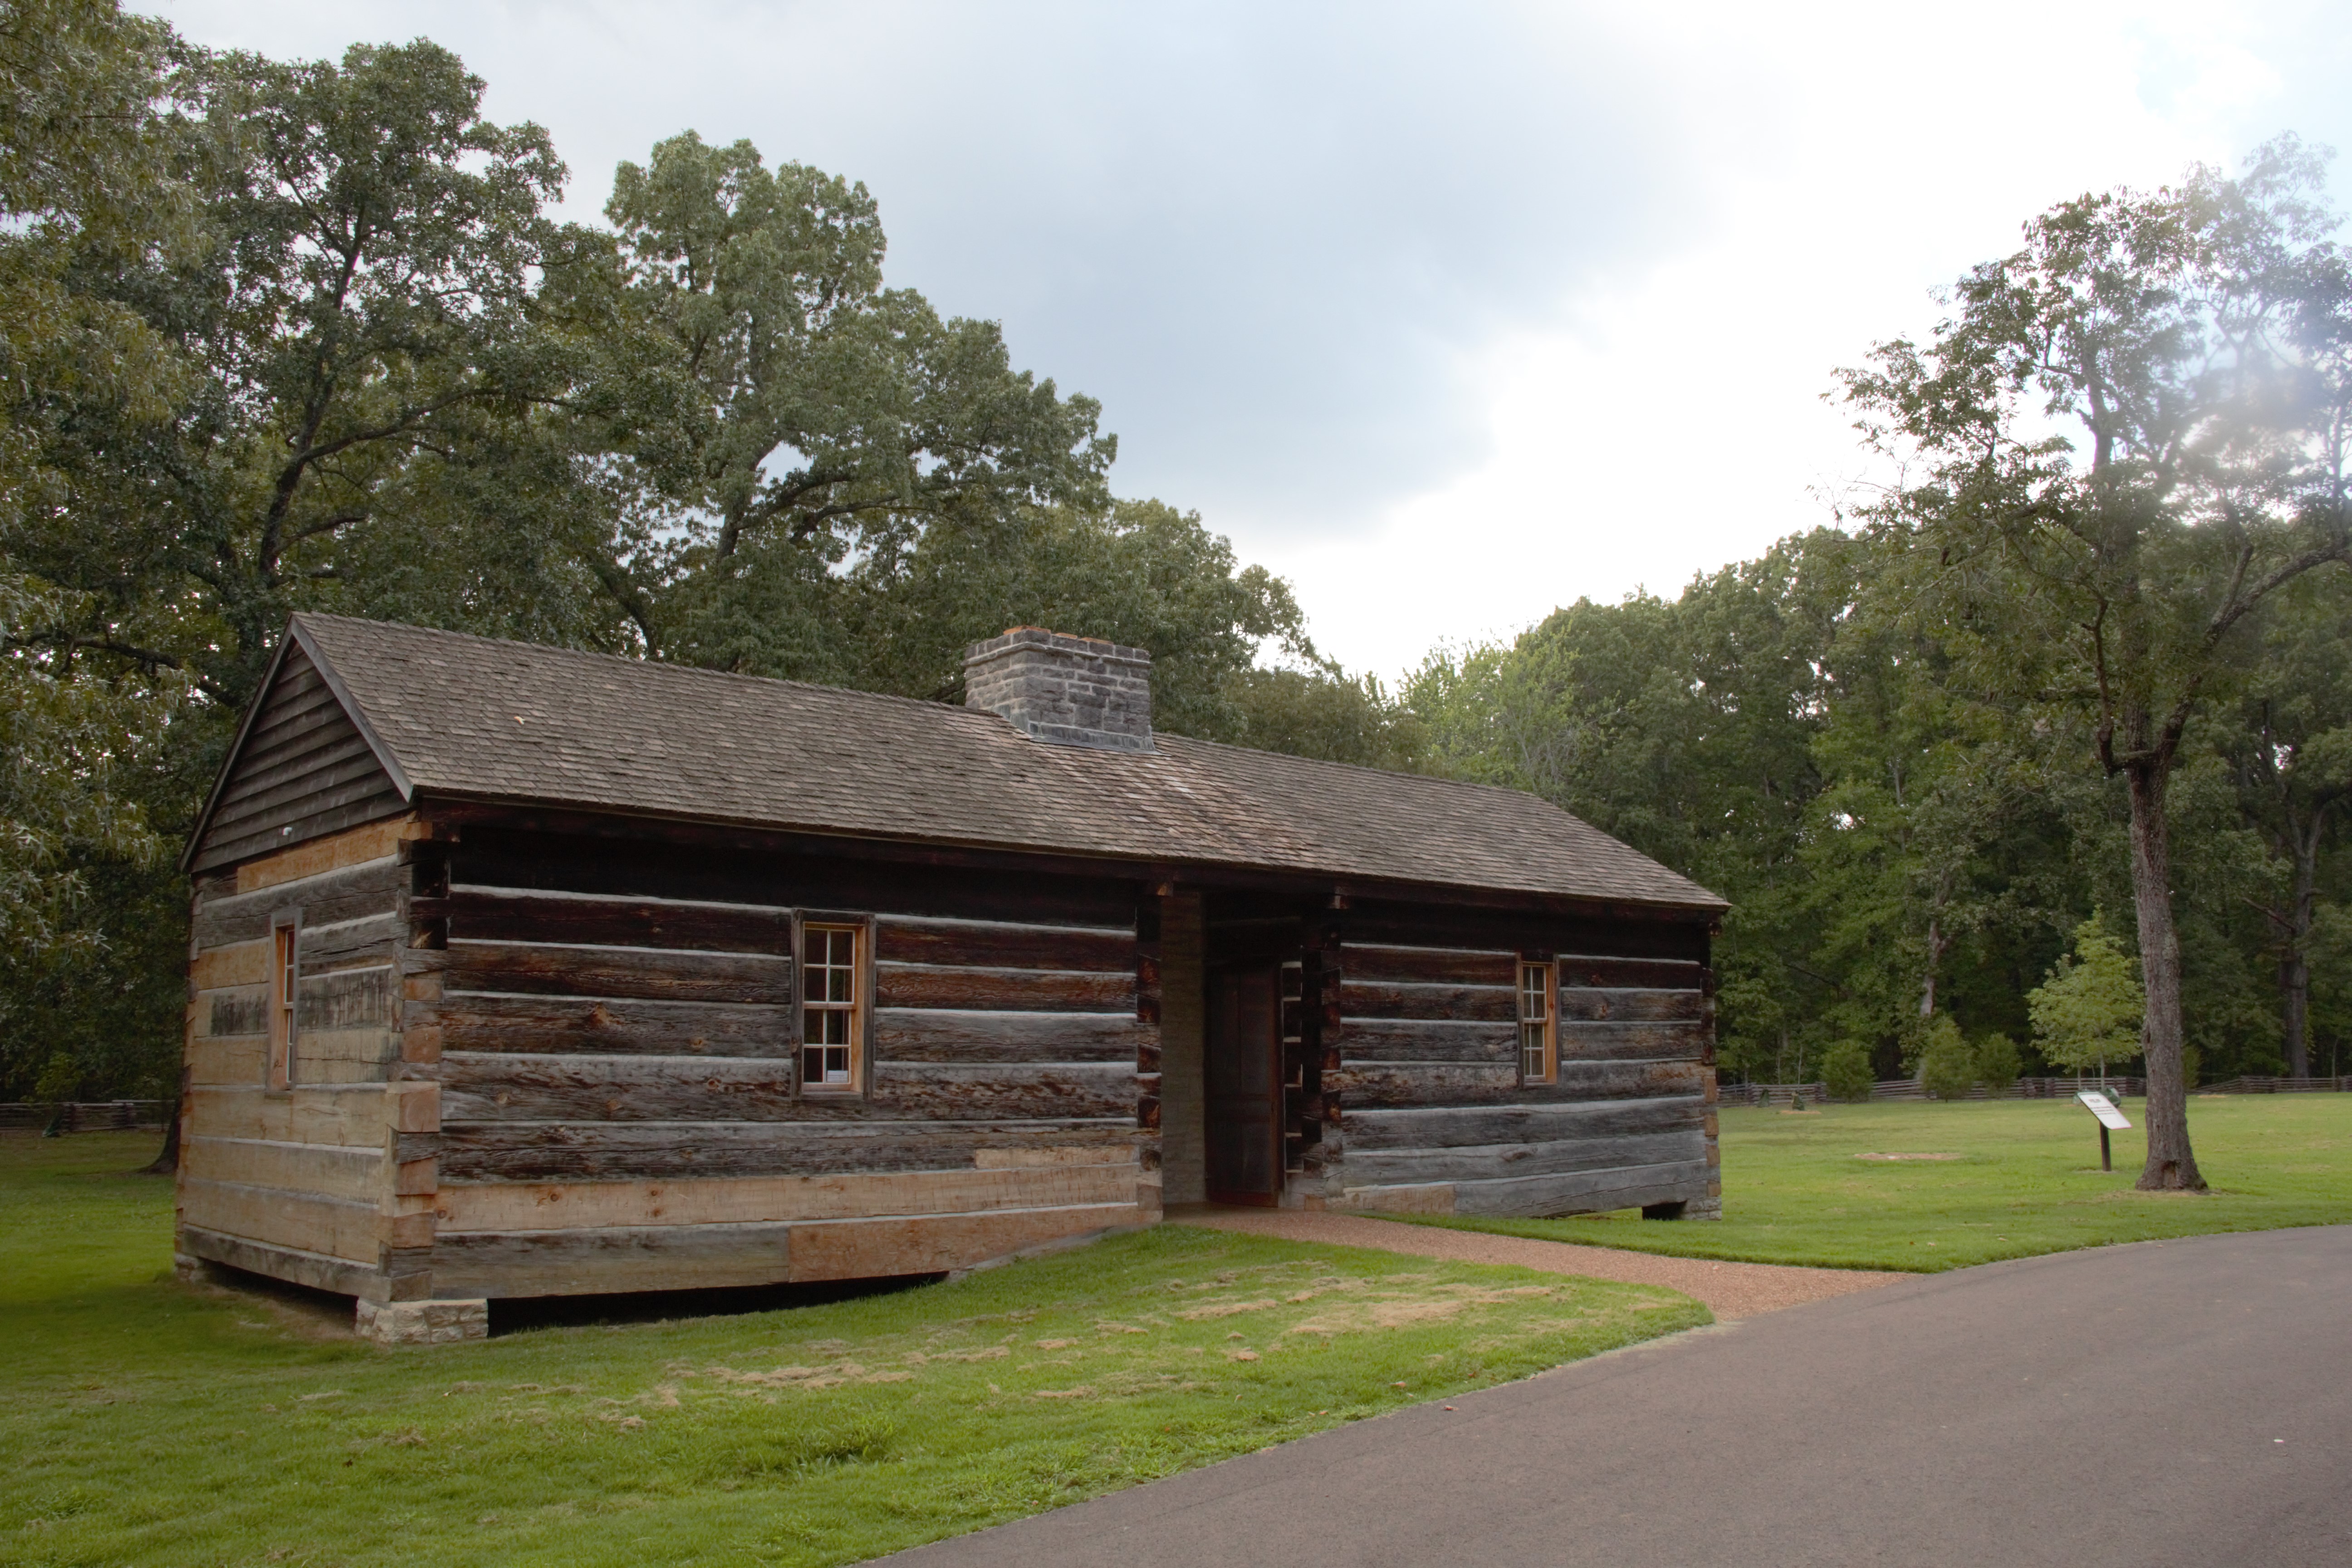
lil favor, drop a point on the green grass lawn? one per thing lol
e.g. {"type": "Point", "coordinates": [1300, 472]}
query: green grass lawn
{"type": "Point", "coordinates": [2025, 1180]}
{"type": "Point", "coordinates": [151, 1423]}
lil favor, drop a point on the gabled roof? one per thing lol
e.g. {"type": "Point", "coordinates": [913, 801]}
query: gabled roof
{"type": "Point", "coordinates": [457, 716]}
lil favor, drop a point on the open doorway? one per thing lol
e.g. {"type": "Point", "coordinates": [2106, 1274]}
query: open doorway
{"type": "Point", "coordinates": [1243, 1084]}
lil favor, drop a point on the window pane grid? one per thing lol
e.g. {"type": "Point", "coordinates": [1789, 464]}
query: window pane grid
{"type": "Point", "coordinates": [1535, 1023]}
{"type": "Point", "coordinates": [829, 1007]}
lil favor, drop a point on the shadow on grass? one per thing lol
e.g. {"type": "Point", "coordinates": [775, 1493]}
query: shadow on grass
{"type": "Point", "coordinates": [323, 1314]}
{"type": "Point", "coordinates": [524, 1314]}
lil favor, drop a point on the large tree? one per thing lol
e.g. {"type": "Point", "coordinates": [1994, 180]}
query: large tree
{"type": "Point", "coordinates": [2289, 752]}
{"type": "Point", "coordinates": [2128, 435]}
{"type": "Point", "coordinates": [782, 415]}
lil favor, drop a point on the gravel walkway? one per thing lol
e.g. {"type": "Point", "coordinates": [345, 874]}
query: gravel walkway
{"type": "Point", "coordinates": [1730, 1290]}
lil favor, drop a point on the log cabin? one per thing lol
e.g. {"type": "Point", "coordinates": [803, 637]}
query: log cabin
{"type": "Point", "coordinates": [519, 972]}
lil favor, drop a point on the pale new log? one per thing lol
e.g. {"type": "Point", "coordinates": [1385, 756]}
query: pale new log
{"type": "Point", "coordinates": [873, 1248]}
{"type": "Point", "coordinates": [239, 963]}
{"type": "Point", "coordinates": [354, 846]}
{"type": "Point", "coordinates": [349, 1115]}
{"type": "Point", "coordinates": [322, 1169]}
{"type": "Point", "coordinates": [341, 1276]}
{"type": "Point", "coordinates": [337, 1227]}
{"type": "Point", "coordinates": [548, 1206]}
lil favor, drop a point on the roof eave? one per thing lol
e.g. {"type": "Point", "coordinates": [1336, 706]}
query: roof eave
{"type": "Point", "coordinates": [1139, 866]}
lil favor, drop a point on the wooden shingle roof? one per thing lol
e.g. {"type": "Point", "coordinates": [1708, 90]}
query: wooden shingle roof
{"type": "Point", "coordinates": [472, 717]}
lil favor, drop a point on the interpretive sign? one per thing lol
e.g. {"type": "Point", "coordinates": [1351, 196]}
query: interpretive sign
{"type": "Point", "coordinates": [2110, 1119]}
{"type": "Point", "coordinates": [2100, 1106]}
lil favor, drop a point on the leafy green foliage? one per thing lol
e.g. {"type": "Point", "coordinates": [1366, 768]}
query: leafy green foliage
{"type": "Point", "coordinates": [2129, 440]}
{"type": "Point", "coordinates": [2087, 1013]}
{"type": "Point", "coordinates": [1845, 1071]}
{"type": "Point", "coordinates": [1948, 1066]}
{"type": "Point", "coordinates": [1997, 1062]}
{"type": "Point", "coordinates": [284, 336]}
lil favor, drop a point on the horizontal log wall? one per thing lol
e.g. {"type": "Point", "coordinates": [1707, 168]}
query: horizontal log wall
{"type": "Point", "coordinates": [298, 1183]}
{"type": "Point", "coordinates": [1422, 1067]}
{"type": "Point", "coordinates": [614, 1036]}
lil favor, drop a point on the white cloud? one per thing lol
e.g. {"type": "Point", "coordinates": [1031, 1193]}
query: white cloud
{"type": "Point", "coordinates": [1453, 314]}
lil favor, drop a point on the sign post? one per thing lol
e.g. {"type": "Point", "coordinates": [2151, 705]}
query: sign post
{"type": "Point", "coordinates": [2100, 1106]}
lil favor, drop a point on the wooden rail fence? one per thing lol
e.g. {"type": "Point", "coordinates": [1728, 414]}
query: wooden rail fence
{"type": "Point", "coordinates": [1766, 1094]}
{"type": "Point", "coordinates": [86, 1116]}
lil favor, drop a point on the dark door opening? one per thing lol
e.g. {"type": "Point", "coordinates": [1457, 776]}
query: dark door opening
{"type": "Point", "coordinates": [1242, 1085]}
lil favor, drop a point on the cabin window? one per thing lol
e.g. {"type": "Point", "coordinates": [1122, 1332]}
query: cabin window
{"type": "Point", "coordinates": [285, 989]}
{"type": "Point", "coordinates": [833, 1006]}
{"type": "Point", "coordinates": [1538, 1048]}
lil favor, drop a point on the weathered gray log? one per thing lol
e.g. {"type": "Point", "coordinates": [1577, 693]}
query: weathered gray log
{"type": "Point", "coordinates": [1496, 1162]}
{"type": "Point", "coordinates": [662, 1151]}
{"type": "Point", "coordinates": [1452, 1126]}
{"type": "Point", "coordinates": [376, 938]}
{"type": "Point", "coordinates": [507, 915]}
{"type": "Point", "coordinates": [940, 1035]}
{"type": "Point", "coordinates": [671, 975]}
{"type": "Point", "coordinates": [354, 892]}
{"type": "Point", "coordinates": [1430, 965]}
{"type": "Point", "coordinates": [1020, 990]}
{"type": "Point", "coordinates": [1401, 999]}
{"type": "Point", "coordinates": [345, 999]}
{"type": "Point", "coordinates": [1632, 1041]}
{"type": "Point", "coordinates": [1586, 1192]}
{"type": "Point", "coordinates": [1602, 971]}
{"type": "Point", "coordinates": [574, 1026]}
{"type": "Point", "coordinates": [1379, 1085]}
{"type": "Point", "coordinates": [499, 1088]}
{"type": "Point", "coordinates": [1624, 1004]}
{"type": "Point", "coordinates": [899, 939]}
{"type": "Point", "coordinates": [1424, 1040]}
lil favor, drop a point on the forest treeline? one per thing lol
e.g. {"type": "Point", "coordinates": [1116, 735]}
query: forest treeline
{"type": "Point", "coordinates": [306, 335]}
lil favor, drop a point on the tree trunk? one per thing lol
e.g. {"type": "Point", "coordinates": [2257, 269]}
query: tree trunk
{"type": "Point", "coordinates": [2171, 1167]}
{"type": "Point", "coordinates": [2294, 984]}
{"type": "Point", "coordinates": [2295, 964]}
{"type": "Point", "coordinates": [167, 1164]}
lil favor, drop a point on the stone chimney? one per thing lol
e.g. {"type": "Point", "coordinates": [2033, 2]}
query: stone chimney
{"type": "Point", "coordinates": [1069, 691]}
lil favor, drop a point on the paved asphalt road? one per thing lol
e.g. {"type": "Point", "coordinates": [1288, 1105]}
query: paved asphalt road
{"type": "Point", "coordinates": [2181, 1403]}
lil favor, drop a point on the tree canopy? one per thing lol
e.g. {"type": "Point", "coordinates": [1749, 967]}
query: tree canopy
{"type": "Point", "coordinates": [287, 335]}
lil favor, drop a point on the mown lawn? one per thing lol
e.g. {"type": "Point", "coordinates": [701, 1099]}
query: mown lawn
{"type": "Point", "coordinates": [2021, 1177]}
{"type": "Point", "coordinates": [151, 1422]}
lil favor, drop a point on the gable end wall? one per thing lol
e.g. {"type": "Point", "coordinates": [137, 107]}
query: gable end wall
{"type": "Point", "coordinates": [303, 771]}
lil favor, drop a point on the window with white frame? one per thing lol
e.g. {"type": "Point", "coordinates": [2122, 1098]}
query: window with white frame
{"type": "Point", "coordinates": [1539, 1045]}
{"type": "Point", "coordinates": [832, 1006]}
{"type": "Point", "coordinates": [285, 991]}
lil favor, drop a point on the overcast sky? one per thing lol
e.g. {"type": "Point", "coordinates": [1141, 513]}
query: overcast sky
{"type": "Point", "coordinates": [1451, 314]}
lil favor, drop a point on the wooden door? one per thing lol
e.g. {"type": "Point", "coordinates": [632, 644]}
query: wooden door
{"type": "Point", "coordinates": [1242, 1085]}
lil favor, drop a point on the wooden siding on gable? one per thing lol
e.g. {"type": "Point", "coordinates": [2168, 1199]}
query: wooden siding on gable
{"type": "Point", "coordinates": [302, 771]}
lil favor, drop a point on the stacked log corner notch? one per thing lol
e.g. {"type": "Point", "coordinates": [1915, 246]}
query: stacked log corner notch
{"type": "Point", "coordinates": [302, 1183]}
